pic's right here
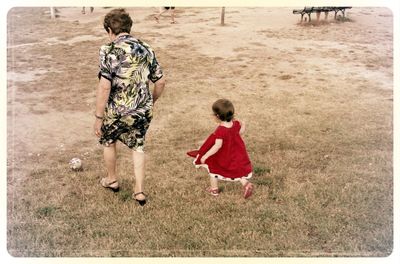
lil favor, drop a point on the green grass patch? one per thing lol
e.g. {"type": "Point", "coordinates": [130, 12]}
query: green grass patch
{"type": "Point", "coordinates": [46, 211]}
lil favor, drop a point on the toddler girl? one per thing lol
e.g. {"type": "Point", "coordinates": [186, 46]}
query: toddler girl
{"type": "Point", "coordinates": [223, 153]}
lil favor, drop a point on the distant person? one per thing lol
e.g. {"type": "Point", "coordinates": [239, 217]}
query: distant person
{"type": "Point", "coordinates": [224, 153]}
{"type": "Point", "coordinates": [84, 11]}
{"type": "Point", "coordinates": [124, 102]}
{"type": "Point", "coordinates": [163, 10]}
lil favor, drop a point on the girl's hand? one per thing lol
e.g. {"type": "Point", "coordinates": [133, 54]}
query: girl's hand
{"type": "Point", "coordinates": [203, 160]}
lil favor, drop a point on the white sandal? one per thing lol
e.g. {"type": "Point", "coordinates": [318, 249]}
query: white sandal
{"type": "Point", "coordinates": [110, 185]}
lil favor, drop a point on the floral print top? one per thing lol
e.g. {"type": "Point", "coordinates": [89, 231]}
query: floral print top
{"type": "Point", "coordinates": [128, 64]}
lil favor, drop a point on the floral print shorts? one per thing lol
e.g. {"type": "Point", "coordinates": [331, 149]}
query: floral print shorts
{"type": "Point", "coordinates": [130, 130]}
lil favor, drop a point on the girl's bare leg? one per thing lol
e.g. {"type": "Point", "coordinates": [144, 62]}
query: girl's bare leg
{"type": "Point", "coordinates": [243, 181]}
{"type": "Point", "coordinates": [247, 188]}
{"type": "Point", "coordinates": [213, 183]}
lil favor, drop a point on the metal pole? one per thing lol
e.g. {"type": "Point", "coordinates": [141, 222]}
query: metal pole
{"type": "Point", "coordinates": [223, 16]}
{"type": "Point", "coordinates": [52, 13]}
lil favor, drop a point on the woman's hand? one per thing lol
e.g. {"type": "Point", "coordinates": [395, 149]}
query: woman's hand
{"type": "Point", "coordinates": [97, 127]}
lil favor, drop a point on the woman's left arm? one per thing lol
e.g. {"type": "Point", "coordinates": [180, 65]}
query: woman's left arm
{"type": "Point", "coordinates": [158, 88]}
{"type": "Point", "coordinates": [102, 95]}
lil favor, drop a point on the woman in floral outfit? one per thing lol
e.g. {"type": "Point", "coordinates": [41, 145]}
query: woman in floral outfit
{"type": "Point", "coordinates": [124, 101]}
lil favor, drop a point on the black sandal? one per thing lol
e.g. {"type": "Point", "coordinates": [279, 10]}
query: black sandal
{"type": "Point", "coordinates": [108, 185]}
{"type": "Point", "coordinates": [141, 202]}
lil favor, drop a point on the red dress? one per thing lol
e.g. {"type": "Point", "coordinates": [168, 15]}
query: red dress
{"type": "Point", "coordinates": [231, 161]}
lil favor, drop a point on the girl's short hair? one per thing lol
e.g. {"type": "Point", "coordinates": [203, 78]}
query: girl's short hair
{"type": "Point", "coordinates": [223, 109]}
{"type": "Point", "coordinates": [118, 20]}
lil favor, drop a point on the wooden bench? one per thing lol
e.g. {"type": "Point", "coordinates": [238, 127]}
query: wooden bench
{"type": "Point", "coordinates": [319, 9]}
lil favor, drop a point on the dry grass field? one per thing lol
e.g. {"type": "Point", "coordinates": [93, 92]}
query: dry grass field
{"type": "Point", "coordinates": [317, 101]}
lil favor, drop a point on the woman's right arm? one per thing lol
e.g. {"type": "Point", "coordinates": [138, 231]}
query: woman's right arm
{"type": "Point", "coordinates": [102, 95]}
{"type": "Point", "coordinates": [103, 92]}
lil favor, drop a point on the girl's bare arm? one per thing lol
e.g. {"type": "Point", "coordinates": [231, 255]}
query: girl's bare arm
{"type": "Point", "coordinates": [214, 149]}
{"type": "Point", "coordinates": [242, 127]}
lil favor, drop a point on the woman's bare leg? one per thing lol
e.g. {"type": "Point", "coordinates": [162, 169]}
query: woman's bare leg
{"type": "Point", "coordinates": [160, 12]}
{"type": "Point", "coordinates": [173, 16]}
{"type": "Point", "coordinates": [110, 160]}
{"type": "Point", "coordinates": [138, 167]}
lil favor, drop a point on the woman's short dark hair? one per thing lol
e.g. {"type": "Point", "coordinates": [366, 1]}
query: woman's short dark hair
{"type": "Point", "coordinates": [118, 20]}
{"type": "Point", "coordinates": [223, 109]}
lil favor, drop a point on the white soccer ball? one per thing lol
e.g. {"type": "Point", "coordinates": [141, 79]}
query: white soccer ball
{"type": "Point", "coordinates": [75, 164]}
